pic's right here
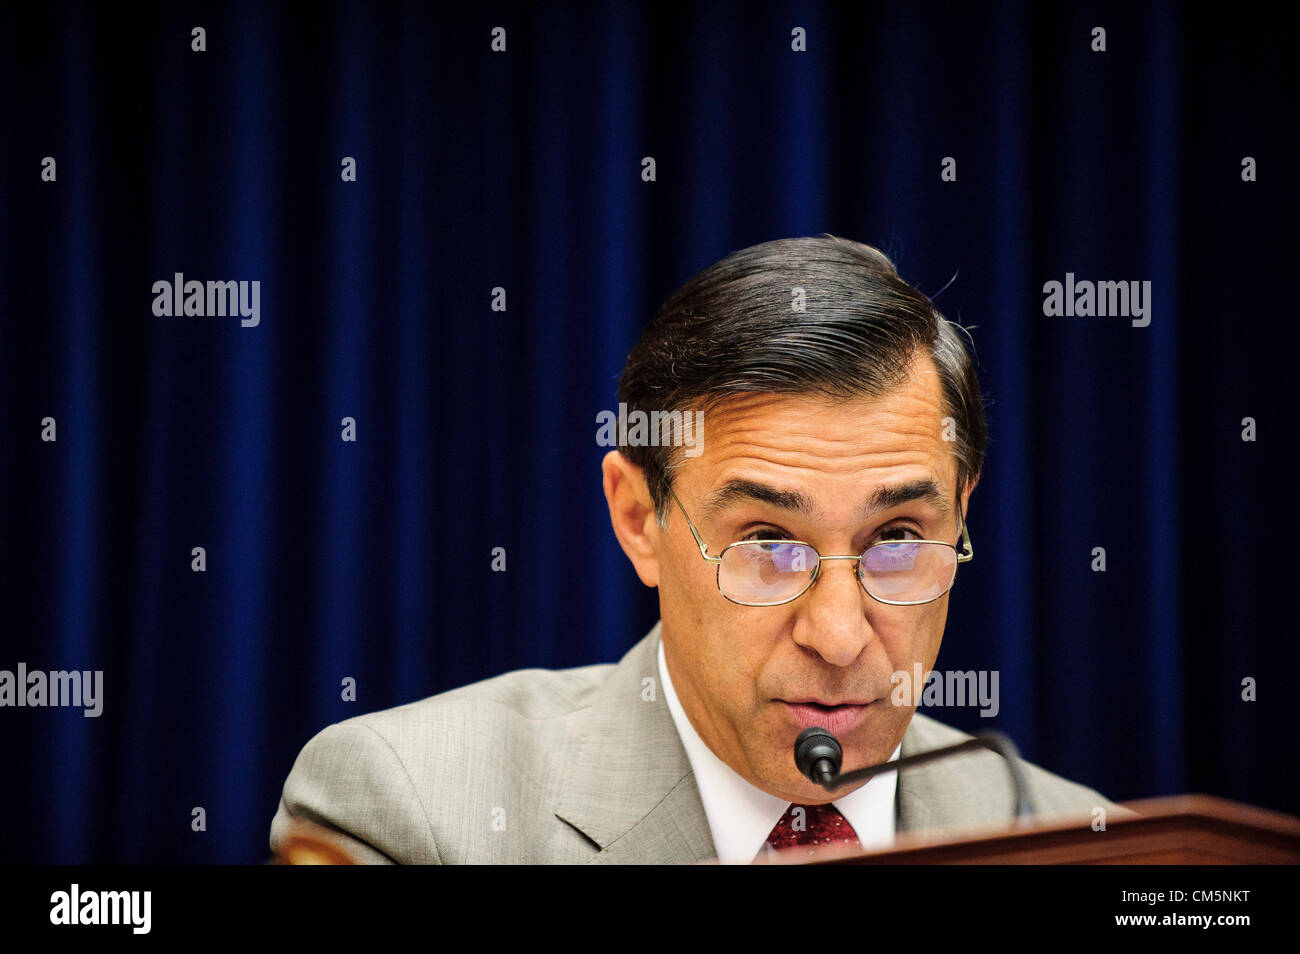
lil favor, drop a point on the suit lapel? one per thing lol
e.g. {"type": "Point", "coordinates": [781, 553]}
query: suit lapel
{"type": "Point", "coordinates": [918, 797]}
{"type": "Point", "coordinates": [674, 830]}
{"type": "Point", "coordinates": [631, 790]}
{"type": "Point", "coordinates": [949, 793]}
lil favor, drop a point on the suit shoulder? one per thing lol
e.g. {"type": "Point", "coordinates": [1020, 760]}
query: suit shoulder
{"type": "Point", "coordinates": [531, 694]}
{"type": "Point", "coordinates": [402, 782]}
{"type": "Point", "coordinates": [1052, 793]}
{"type": "Point", "coordinates": [518, 718]}
{"type": "Point", "coordinates": [930, 733]}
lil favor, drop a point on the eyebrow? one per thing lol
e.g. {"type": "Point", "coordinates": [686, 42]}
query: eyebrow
{"type": "Point", "coordinates": [884, 498]}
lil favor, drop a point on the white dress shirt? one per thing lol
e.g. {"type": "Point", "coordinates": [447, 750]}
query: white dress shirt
{"type": "Point", "coordinates": [741, 816]}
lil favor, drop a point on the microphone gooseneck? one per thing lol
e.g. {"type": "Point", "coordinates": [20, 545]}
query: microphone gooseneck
{"type": "Point", "coordinates": [818, 756]}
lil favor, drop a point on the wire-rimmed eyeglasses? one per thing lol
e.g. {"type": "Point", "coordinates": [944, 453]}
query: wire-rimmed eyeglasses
{"type": "Point", "coordinates": [773, 572]}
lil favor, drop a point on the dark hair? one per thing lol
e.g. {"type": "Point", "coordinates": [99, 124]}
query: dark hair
{"type": "Point", "coordinates": [732, 329]}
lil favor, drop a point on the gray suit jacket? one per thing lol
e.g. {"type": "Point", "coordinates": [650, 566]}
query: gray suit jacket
{"type": "Point", "coordinates": [575, 766]}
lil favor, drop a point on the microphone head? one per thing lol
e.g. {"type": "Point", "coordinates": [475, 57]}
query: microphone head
{"type": "Point", "coordinates": [812, 749]}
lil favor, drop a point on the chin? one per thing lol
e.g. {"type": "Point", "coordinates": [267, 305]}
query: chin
{"type": "Point", "coordinates": [872, 743]}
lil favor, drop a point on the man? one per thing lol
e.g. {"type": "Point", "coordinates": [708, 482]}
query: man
{"type": "Point", "coordinates": [803, 554]}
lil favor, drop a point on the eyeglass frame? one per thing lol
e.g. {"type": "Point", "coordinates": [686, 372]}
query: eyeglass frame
{"type": "Point", "coordinates": [965, 557]}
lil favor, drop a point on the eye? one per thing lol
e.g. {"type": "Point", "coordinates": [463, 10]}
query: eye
{"type": "Point", "coordinates": [895, 535]}
{"type": "Point", "coordinates": [765, 533]}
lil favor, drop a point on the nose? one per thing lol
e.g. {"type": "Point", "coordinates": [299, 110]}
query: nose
{"type": "Point", "coordinates": [833, 622]}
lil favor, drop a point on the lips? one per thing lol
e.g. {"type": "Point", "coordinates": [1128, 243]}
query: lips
{"type": "Point", "coordinates": [828, 705]}
{"type": "Point", "coordinates": [836, 718]}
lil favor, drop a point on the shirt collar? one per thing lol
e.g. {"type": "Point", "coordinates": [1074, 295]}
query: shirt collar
{"type": "Point", "coordinates": [741, 815]}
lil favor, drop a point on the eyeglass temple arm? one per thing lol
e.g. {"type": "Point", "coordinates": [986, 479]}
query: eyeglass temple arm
{"type": "Point", "coordinates": [965, 538]}
{"type": "Point", "coordinates": [704, 547]}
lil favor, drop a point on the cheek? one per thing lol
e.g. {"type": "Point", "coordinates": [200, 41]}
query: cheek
{"type": "Point", "coordinates": [738, 652]}
{"type": "Point", "coordinates": [719, 640]}
{"type": "Point", "coordinates": [910, 638]}
{"type": "Point", "coordinates": [930, 633]}
{"type": "Point", "coordinates": [732, 653]}
{"type": "Point", "coordinates": [686, 588]}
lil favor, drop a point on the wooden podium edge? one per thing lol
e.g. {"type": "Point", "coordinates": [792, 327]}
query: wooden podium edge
{"type": "Point", "coordinates": [1070, 838]}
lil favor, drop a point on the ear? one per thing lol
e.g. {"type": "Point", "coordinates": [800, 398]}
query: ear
{"type": "Point", "coordinates": [632, 513]}
{"type": "Point", "coordinates": [970, 489]}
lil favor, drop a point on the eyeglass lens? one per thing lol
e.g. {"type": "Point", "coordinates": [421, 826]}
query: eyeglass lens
{"type": "Point", "coordinates": [905, 571]}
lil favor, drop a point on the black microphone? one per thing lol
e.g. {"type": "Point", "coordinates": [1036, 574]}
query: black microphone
{"type": "Point", "coordinates": [818, 756]}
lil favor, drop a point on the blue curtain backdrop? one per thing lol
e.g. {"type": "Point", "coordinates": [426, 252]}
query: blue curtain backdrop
{"type": "Point", "coordinates": [476, 428]}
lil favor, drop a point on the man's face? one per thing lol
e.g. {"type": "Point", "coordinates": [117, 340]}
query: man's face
{"type": "Point", "coordinates": [740, 670]}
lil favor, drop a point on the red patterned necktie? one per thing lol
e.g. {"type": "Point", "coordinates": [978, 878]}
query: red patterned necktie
{"type": "Point", "coordinates": [809, 827]}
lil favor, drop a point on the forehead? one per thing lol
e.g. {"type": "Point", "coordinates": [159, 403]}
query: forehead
{"type": "Point", "coordinates": [826, 447]}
